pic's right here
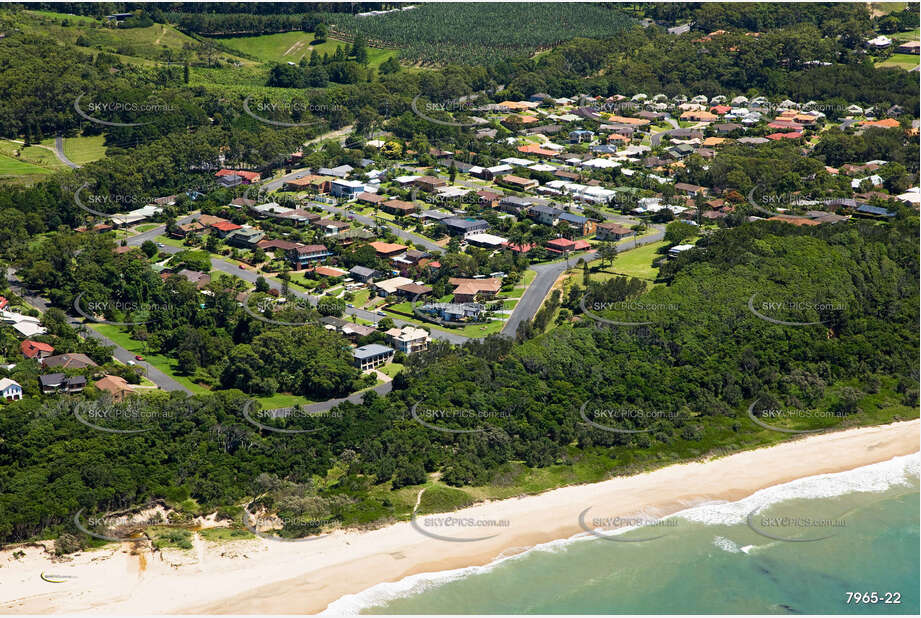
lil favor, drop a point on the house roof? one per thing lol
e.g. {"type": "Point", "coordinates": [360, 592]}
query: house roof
{"type": "Point", "coordinates": [371, 350]}
{"type": "Point", "coordinates": [32, 348]}
{"type": "Point", "coordinates": [387, 247]}
{"type": "Point", "coordinates": [69, 361]}
{"type": "Point", "coordinates": [114, 385]}
{"type": "Point", "coordinates": [226, 226]}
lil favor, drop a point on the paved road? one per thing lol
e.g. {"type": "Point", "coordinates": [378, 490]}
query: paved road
{"type": "Point", "coordinates": [414, 239]}
{"type": "Point", "coordinates": [59, 151]}
{"type": "Point", "coordinates": [153, 374]}
{"type": "Point", "coordinates": [547, 274]}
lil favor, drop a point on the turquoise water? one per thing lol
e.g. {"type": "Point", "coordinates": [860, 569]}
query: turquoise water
{"type": "Point", "coordinates": [710, 561]}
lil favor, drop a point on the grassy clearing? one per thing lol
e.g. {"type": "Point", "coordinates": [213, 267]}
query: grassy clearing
{"type": "Point", "coordinates": [85, 149]}
{"type": "Point", "coordinates": [901, 61]}
{"type": "Point", "coordinates": [634, 263]}
{"type": "Point", "coordinates": [292, 46]}
{"type": "Point", "coordinates": [282, 400]}
{"type": "Point", "coordinates": [20, 171]}
{"type": "Point", "coordinates": [37, 155]}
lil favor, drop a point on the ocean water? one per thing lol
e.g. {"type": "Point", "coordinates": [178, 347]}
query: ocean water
{"type": "Point", "coordinates": [795, 548]}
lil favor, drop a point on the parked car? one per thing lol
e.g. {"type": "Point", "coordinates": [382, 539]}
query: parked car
{"type": "Point", "coordinates": [242, 267]}
{"type": "Point", "coordinates": [138, 357]}
{"type": "Point", "coordinates": [381, 313]}
{"type": "Point", "coordinates": [160, 244]}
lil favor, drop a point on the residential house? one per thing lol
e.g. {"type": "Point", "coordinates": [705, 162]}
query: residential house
{"type": "Point", "coordinates": [246, 177]}
{"type": "Point", "coordinates": [330, 227]}
{"type": "Point", "coordinates": [346, 189]}
{"type": "Point", "coordinates": [514, 205]}
{"type": "Point", "coordinates": [336, 172]}
{"type": "Point", "coordinates": [310, 183]}
{"type": "Point", "coordinates": [429, 183]}
{"type": "Point", "coordinates": [486, 241]}
{"type": "Point", "coordinates": [245, 238]}
{"type": "Point", "coordinates": [489, 199]}
{"type": "Point", "coordinates": [10, 390]}
{"type": "Point", "coordinates": [519, 183]}
{"type": "Point", "coordinates": [199, 279]}
{"type": "Point", "coordinates": [387, 249]}
{"type": "Point", "coordinates": [372, 355]}
{"type": "Point", "coordinates": [116, 386]}
{"type": "Point", "coordinates": [302, 255]}
{"type": "Point", "coordinates": [458, 226]}
{"type": "Point", "coordinates": [223, 228]}
{"type": "Point", "coordinates": [362, 273]}
{"type": "Point", "coordinates": [68, 361]}
{"type": "Point", "coordinates": [689, 189]}
{"type": "Point", "coordinates": [388, 287]}
{"type": "Point", "coordinates": [59, 383]}
{"type": "Point", "coordinates": [611, 231]}
{"type": "Point", "coordinates": [398, 207]}
{"type": "Point", "coordinates": [370, 199]}
{"type": "Point", "coordinates": [413, 290]}
{"type": "Point", "coordinates": [581, 226]}
{"type": "Point", "coordinates": [454, 312]}
{"type": "Point", "coordinates": [564, 245]}
{"type": "Point", "coordinates": [409, 339]}
{"type": "Point", "coordinates": [192, 227]}
{"type": "Point", "coordinates": [36, 349]}
{"type": "Point", "coordinates": [546, 215]}
{"type": "Point", "coordinates": [470, 290]}
{"type": "Point", "coordinates": [581, 135]}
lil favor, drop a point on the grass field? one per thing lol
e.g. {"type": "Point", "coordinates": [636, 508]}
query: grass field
{"type": "Point", "coordinates": [902, 61]}
{"type": "Point", "coordinates": [292, 46]}
{"type": "Point", "coordinates": [391, 370]}
{"type": "Point", "coordinates": [18, 171]}
{"type": "Point", "coordinates": [633, 263]}
{"type": "Point", "coordinates": [82, 150]}
{"type": "Point", "coordinates": [907, 35]}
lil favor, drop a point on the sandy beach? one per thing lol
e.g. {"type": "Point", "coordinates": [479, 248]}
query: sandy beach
{"type": "Point", "coordinates": [263, 576]}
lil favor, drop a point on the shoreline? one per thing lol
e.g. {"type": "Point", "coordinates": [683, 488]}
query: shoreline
{"type": "Point", "coordinates": [259, 576]}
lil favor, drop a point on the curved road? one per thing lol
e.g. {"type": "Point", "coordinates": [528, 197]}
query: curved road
{"type": "Point", "coordinates": [59, 151]}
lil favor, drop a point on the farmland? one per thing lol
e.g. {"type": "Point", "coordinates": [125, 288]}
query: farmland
{"type": "Point", "coordinates": [482, 33]}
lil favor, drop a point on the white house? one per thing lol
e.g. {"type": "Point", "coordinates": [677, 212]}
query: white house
{"type": "Point", "coordinates": [10, 390]}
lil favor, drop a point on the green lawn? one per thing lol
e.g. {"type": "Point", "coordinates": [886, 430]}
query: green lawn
{"type": "Point", "coordinates": [282, 400]}
{"type": "Point", "coordinates": [391, 369]}
{"type": "Point", "coordinates": [292, 46]}
{"type": "Point", "coordinates": [163, 363]}
{"type": "Point", "coordinates": [37, 155]}
{"type": "Point", "coordinates": [902, 61]}
{"type": "Point", "coordinates": [907, 35]}
{"type": "Point", "coordinates": [20, 171]}
{"type": "Point", "coordinates": [634, 263]}
{"type": "Point", "coordinates": [82, 150]}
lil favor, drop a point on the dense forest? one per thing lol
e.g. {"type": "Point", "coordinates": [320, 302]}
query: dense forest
{"type": "Point", "coordinates": [698, 365]}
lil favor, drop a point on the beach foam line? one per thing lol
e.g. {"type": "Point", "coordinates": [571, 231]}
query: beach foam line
{"type": "Point", "coordinates": [875, 478]}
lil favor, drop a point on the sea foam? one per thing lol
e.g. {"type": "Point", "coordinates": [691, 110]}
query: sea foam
{"type": "Point", "coordinates": [873, 478]}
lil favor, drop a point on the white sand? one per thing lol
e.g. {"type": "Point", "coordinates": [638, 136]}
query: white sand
{"type": "Point", "coordinates": [259, 576]}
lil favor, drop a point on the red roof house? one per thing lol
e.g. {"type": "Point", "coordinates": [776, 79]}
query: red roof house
{"type": "Point", "coordinates": [35, 349]}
